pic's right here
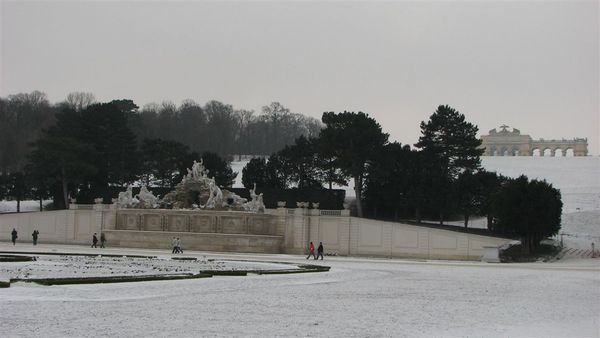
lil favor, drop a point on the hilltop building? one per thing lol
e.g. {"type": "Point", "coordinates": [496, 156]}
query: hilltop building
{"type": "Point", "coordinates": [513, 143]}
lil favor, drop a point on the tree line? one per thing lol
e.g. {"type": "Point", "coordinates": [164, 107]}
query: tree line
{"type": "Point", "coordinates": [220, 128]}
{"type": "Point", "coordinates": [215, 126]}
{"type": "Point", "coordinates": [439, 178]}
{"type": "Point", "coordinates": [83, 149]}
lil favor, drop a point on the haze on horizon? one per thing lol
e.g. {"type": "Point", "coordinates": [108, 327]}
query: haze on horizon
{"type": "Point", "coordinates": [531, 65]}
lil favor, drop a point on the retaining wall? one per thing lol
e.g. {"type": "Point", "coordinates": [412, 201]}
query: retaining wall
{"type": "Point", "coordinates": [277, 231]}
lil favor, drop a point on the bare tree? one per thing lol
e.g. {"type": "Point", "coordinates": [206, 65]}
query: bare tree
{"type": "Point", "coordinates": [78, 101]}
{"type": "Point", "coordinates": [244, 118]}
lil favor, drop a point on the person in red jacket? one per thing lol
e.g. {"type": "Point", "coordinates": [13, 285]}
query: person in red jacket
{"type": "Point", "coordinates": [311, 251]}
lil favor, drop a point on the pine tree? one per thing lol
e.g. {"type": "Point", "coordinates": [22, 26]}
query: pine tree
{"type": "Point", "coordinates": [454, 140]}
{"type": "Point", "coordinates": [451, 142]}
{"type": "Point", "coordinates": [354, 139]}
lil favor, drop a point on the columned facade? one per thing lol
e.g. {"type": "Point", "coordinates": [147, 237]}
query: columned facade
{"type": "Point", "coordinates": [512, 143]}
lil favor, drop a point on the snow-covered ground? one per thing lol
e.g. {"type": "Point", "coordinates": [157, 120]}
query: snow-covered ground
{"type": "Point", "coordinates": [83, 266]}
{"type": "Point", "coordinates": [359, 297]}
{"type": "Point", "coordinates": [11, 206]}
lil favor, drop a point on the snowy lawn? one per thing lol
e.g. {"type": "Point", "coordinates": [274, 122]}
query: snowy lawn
{"type": "Point", "coordinates": [11, 206]}
{"type": "Point", "coordinates": [358, 297]}
{"type": "Point", "coordinates": [73, 266]}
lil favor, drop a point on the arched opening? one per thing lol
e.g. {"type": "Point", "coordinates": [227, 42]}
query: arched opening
{"type": "Point", "coordinates": [558, 153]}
{"type": "Point", "coordinates": [504, 152]}
{"type": "Point", "coordinates": [547, 152]}
{"type": "Point", "coordinates": [536, 152]}
{"type": "Point", "coordinates": [569, 152]}
{"type": "Point", "coordinates": [494, 151]}
{"type": "Point", "coordinates": [515, 152]}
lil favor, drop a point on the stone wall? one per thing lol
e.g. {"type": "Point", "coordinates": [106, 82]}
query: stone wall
{"type": "Point", "coordinates": [345, 235]}
{"type": "Point", "coordinates": [277, 231]}
{"type": "Point", "coordinates": [73, 226]}
{"type": "Point", "coordinates": [225, 222]}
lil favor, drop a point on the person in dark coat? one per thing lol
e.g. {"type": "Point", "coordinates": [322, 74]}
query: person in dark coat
{"type": "Point", "coordinates": [178, 246]}
{"type": "Point", "coordinates": [102, 240]}
{"type": "Point", "coordinates": [320, 251]}
{"type": "Point", "coordinates": [94, 241]}
{"type": "Point", "coordinates": [174, 245]}
{"type": "Point", "coordinates": [311, 251]}
{"type": "Point", "coordinates": [13, 236]}
{"type": "Point", "coordinates": [34, 235]}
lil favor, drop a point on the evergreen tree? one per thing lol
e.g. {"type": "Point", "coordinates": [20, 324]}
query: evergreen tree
{"type": "Point", "coordinates": [16, 188]}
{"type": "Point", "coordinates": [454, 140]}
{"type": "Point", "coordinates": [388, 181]}
{"type": "Point", "coordinates": [301, 159]}
{"type": "Point", "coordinates": [467, 193]}
{"type": "Point", "coordinates": [164, 162]}
{"type": "Point", "coordinates": [105, 127]}
{"type": "Point", "coordinates": [529, 209]}
{"type": "Point", "coordinates": [355, 138]}
{"type": "Point", "coordinates": [489, 183]}
{"type": "Point", "coordinates": [255, 172]}
{"type": "Point", "coordinates": [326, 162]}
{"type": "Point", "coordinates": [451, 142]}
{"type": "Point", "coordinates": [219, 169]}
{"type": "Point", "coordinates": [93, 148]}
{"type": "Point", "coordinates": [61, 161]}
{"type": "Point", "coordinates": [271, 174]}
{"type": "Point", "coordinates": [278, 172]}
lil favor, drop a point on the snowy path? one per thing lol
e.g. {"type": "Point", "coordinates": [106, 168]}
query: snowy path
{"type": "Point", "coordinates": [358, 297]}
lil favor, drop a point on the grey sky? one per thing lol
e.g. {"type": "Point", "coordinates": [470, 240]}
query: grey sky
{"type": "Point", "coordinates": [532, 65]}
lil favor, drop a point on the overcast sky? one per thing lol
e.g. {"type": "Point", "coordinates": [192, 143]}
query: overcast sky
{"type": "Point", "coordinates": [532, 65]}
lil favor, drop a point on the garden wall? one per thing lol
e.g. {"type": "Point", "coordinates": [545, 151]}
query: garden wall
{"type": "Point", "coordinates": [279, 230]}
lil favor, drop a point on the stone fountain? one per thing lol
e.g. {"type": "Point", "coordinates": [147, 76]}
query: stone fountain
{"type": "Point", "coordinates": [203, 215]}
{"type": "Point", "coordinates": [196, 191]}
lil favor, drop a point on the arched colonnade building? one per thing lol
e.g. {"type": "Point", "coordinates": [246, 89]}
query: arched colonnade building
{"type": "Point", "coordinates": [513, 143]}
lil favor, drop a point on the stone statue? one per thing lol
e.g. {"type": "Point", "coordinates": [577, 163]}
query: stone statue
{"type": "Point", "coordinates": [215, 199]}
{"type": "Point", "coordinates": [146, 199]}
{"type": "Point", "coordinates": [233, 201]}
{"type": "Point", "coordinates": [197, 169]}
{"type": "Point", "coordinates": [256, 203]}
{"type": "Point", "coordinates": [195, 191]}
{"type": "Point", "coordinates": [253, 193]}
{"type": "Point", "coordinates": [126, 199]}
{"type": "Point", "coordinates": [260, 206]}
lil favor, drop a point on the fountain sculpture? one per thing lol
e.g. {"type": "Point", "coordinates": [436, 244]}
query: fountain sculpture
{"type": "Point", "coordinates": [195, 191]}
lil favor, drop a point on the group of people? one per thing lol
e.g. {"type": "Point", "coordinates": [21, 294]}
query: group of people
{"type": "Point", "coordinates": [14, 235]}
{"type": "Point", "coordinates": [311, 251]}
{"type": "Point", "coordinates": [176, 244]}
{"type": "Point", "coordinates": [102, 240]}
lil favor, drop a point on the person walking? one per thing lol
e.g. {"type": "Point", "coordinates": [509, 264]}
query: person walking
{"type": "Point", "coordinates": [34, 235]}
{"type": "Point", "coordinates": [102, 240]}
{"type": "Point", "coordinates": [94, 241]}
{"type": "Point", "coordinates": [320, 251]}
{"type": "Point", "coordinates": [178, 245]}
{"type": "Point", "coordinates": [311, 251]}
{"type": "Point", "coordinates": [174, 245]}
{"type": "Point", "coordinates": [13, 236]}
